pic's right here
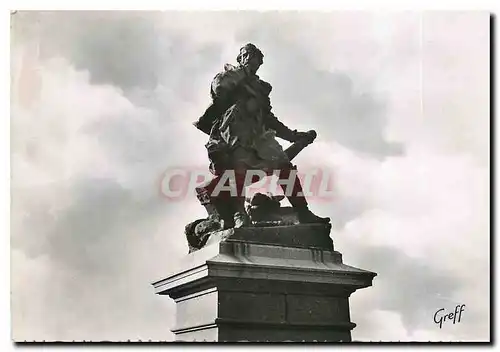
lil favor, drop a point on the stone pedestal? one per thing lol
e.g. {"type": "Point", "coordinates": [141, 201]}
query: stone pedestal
{"type": "Point", "coordinates": [264, 284]}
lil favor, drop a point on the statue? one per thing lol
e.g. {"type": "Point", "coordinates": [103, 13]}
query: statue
{"type": "Point", "coordinates": [242, 131]}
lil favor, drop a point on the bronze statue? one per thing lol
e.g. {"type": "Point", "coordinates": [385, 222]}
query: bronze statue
{"type": "Point", "coordinates": [242, 130]}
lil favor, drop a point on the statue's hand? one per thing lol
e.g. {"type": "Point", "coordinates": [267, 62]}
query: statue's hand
{"type": "Point", "coordinates": [305, 137]}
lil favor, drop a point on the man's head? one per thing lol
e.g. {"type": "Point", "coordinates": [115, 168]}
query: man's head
{"type": "Point", "coordinates": [250, 57]}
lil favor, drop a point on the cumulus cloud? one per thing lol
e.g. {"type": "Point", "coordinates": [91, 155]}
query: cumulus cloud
{"type": "Point", "coordinates": [103, 104]}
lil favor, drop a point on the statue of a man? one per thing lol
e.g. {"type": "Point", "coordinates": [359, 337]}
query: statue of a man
{"type": "Point", "coordinates": [242, 131]}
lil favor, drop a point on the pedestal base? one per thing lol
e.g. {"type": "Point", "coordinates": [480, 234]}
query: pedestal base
{"type": "Point", "coordinates": [252, 288]}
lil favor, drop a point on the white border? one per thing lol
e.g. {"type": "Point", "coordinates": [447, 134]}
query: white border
{"type": "Point", "coordinates": [369, 5]}
{"type": "Point", "coordinates": [5, 344]}
{"type": "Point", "coordinates": [379, 5]}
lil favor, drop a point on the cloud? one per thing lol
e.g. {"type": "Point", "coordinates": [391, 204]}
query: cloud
{"type": "Point", "coordinates": [85, 209]}
{"type": "Point", "coordinates": [427, 211]}
{"type": "Point", "coordinates": [425, 242]}
{"type": "Point", "coordinates": [317, 96]}
{"type": "Point", "coordinates": [103, 104]}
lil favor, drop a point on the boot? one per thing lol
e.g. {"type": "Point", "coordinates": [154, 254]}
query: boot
{"type": "Point", "coordinates": [306, 216]}
{"type": "Point", "coordinates": [299, 204]}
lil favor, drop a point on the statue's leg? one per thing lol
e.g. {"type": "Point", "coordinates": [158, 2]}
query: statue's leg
{"type": "Point", "coordinates": [204, 195]}
{"type": "Point", "coordinates": [241, 159]}
{"type": "Point", "coordinates": [240, 216]}
{"type": "Point", "coordinates": [219, 205]}
{"type": "Point", "coordinates": [292, 189]}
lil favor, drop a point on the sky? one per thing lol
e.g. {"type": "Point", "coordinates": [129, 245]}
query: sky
{"type": "Point", "coordinates": [103, 103]}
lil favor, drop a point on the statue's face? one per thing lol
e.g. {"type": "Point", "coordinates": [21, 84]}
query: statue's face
{"type": "Point", "coordinates": [251, 61]}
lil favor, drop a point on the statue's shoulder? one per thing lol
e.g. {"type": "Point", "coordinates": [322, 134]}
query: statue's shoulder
{"type": "Point", "coordinates": [229, 68]}
{"type": "Point", "coordinates": [230, 73]}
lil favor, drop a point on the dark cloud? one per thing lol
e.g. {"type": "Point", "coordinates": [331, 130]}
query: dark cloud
{"type": "Point", "coordinates": [130, 50]}
{"type": "Point", "coordinates": [96, 223]}
{"type": "Point", "coordinates": [102, 287]}
{"type": "Point", "coordinates": [354, 119]}
{"type": "Point", "coordinates": [126, 49]}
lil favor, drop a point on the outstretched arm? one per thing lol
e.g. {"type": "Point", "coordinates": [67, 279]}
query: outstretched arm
{"type": "Point", "coordinates": [300, 139]}
{"type": "Point", "coordinates": [282, 131]}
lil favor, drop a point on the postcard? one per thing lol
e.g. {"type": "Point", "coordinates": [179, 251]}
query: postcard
{"type": "Point", "coordinates": [230, 176]}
